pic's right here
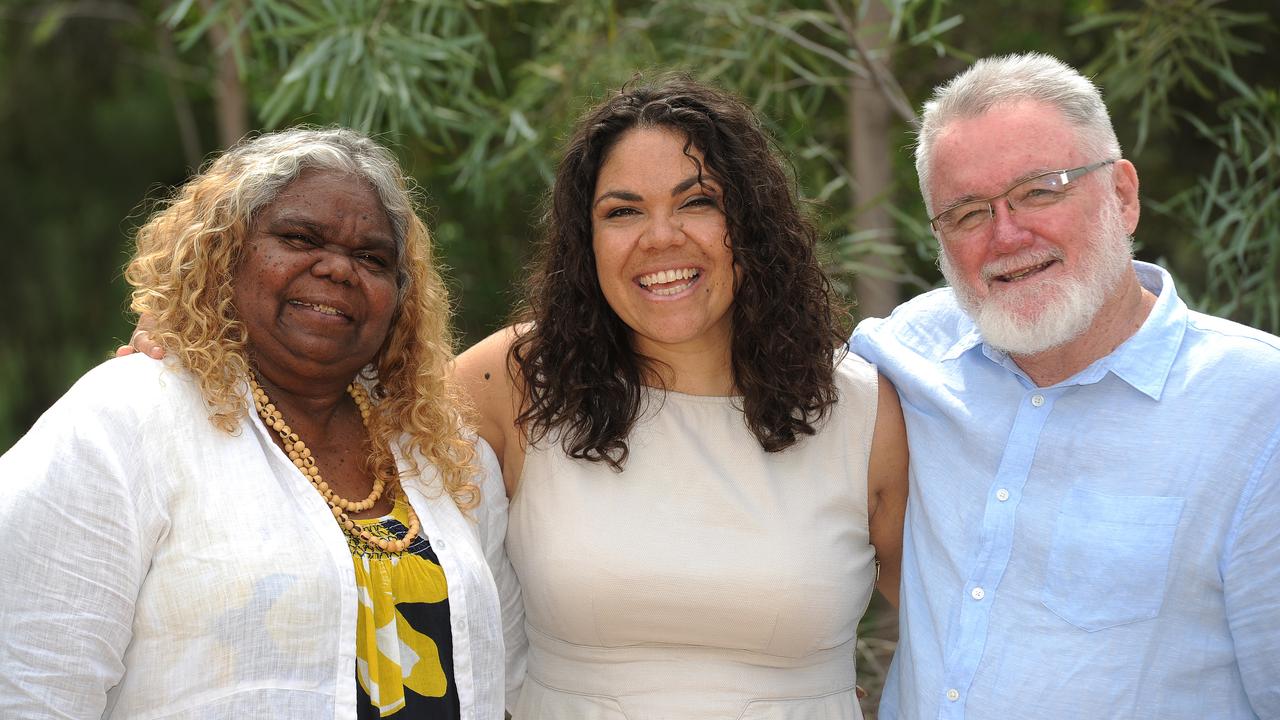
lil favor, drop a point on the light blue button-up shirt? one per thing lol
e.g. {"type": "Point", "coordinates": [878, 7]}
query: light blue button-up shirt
{"type": "Point", "coordinates": [1107, 547]}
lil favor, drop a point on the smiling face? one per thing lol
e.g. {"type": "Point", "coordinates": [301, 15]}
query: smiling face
{"type": "Point", "coordinates": [1032, 281]}
{"type": "Point", "coordinates": [661, 245]}
{"type": "Point", "coordinates": [316, 286]}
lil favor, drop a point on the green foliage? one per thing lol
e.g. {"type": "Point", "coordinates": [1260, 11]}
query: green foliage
{"type": "Point", "coordinates": [476, 96]}
{"type": "Point", "coordinates": [83, 135]}
{"type": "Point", "coordinates": [1189, 51]}
{"type": "Point", "coordinates": [422, 66]}
{"type": "Point", "coordinates": [1178, 44]}
{"type": "Point", "coordinates": [1235, 211]}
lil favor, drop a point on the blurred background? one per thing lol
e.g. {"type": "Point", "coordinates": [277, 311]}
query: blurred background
{"type": "Point", "coordinates": [105, 105]}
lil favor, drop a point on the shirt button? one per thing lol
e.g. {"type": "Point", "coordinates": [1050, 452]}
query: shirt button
{"type": "Point", "coordinates": [1037, 400]}
{"type": "Point", "coordinates": [953, 694]}
{"type": "Point", "coordinates": [1002, 494]}
{"type": "Point", "coordinates": [438, 542]}
{"type": "Point", "coordinates": [977, 593]}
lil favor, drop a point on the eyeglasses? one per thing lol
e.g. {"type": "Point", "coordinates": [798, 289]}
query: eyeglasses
{"type": "Point", "coordinates": [1029, 196]}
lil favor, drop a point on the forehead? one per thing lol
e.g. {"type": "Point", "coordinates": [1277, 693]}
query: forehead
{"type": "Point", "coordinates": [648, 154]}
{"type": "Point", "coordinates": [326, 192]}
{"type": "Point", "coordinates": [981, 156]}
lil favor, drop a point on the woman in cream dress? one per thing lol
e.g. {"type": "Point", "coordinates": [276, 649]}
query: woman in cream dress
{"type": "Point", "coordinates": [703, 482]}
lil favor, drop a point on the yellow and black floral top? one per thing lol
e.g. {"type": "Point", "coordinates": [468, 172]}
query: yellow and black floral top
{"type": "Point", "coordinates": [404, 646]}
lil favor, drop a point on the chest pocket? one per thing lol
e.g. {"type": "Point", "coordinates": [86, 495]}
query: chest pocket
{"type": "Point", "coordinates": [1110, 558]}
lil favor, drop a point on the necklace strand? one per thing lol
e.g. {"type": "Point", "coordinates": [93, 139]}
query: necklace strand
{"type": "Point", "coordinates": [302, 457]}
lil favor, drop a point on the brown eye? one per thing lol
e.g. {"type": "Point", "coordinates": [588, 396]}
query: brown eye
{"type": "Point", "coordinates": [1037, 193]}
{"type": "Point", "coordinates": [298, 240]}
{"type": "Point", "coordinates": [702, 201]}
{"type": "Point", "coordinates": [968, 217]}
{"type": "Point", "coordinates": [373, 260]}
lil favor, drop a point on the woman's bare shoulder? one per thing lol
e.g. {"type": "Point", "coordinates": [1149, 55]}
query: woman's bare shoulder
{"type": "Point", "coordinates": [485, 372]}
{"type": "Point", "coordinates": [485, 368]}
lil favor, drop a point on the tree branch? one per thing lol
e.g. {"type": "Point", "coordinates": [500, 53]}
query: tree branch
{"type": "Point", "coordinates": [885, 82]}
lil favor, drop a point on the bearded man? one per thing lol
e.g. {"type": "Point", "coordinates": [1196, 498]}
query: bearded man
{"type": "Point", "coordinates": [1094, 522]}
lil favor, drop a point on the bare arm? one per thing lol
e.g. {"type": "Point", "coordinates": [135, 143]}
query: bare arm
{"type": "Point", "coordinates": [887, 488]}
{"type": "Point", "coordinates": [483, 372]}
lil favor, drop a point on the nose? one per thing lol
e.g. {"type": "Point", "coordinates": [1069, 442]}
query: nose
{"type": "Point", "coordinates": [334, 265]}
{"type": "Point", "coordinates": [1007, 232]}
{"type": "Point", "coordinates": [663, 230]}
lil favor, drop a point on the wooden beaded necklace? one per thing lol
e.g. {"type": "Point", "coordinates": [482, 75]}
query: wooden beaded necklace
{"type": "Point", "coordinates": [301, 456]}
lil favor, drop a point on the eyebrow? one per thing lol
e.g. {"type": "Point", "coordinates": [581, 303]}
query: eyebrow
{"type": "Point", "coordinates": [368, 240]}
{"type": "Point", "coordinates": [280, 224]}
{"type": "Point", "coordinates": [686, 184]}
{"type": "Point", "coordinates": [624, 195]}
{"type": "Point", "coordinates": [628, 196]}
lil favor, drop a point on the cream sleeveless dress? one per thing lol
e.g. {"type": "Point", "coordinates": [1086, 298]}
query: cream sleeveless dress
{"type": "Point", "coordinates": [710, 579]}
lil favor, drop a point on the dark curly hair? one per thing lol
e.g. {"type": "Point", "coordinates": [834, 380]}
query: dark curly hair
{"type": "Point", "coordinates": [573, 354]}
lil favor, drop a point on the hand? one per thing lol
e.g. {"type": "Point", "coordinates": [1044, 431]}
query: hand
{"type": "Point", "coordinates": [140, 340]}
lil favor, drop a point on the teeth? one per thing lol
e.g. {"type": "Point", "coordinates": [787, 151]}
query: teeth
{"type": "Point", "coordinates": [318, 308]}
{"type": "Point", "coordinates": [1011, 277]}
{"type": "Point", "coordinates": [667, 276]}
{"type": "Point", "coordinates": [670, 290]}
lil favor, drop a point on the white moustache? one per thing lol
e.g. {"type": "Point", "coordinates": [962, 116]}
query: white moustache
{"type": "Point", "coordinates": [1008, 266]}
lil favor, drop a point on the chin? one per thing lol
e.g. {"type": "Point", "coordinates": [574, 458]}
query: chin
{"type": "Point", "coordinates": [1039, 317]}
{"type": "Point", "coordinates": [1029, 333]}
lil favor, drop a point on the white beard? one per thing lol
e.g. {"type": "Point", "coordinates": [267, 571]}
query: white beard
{"type": "Point", "coordinates": [1049, 313]}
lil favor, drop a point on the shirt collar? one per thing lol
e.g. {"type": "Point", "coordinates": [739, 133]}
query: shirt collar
{"type": "Point", "coordinates": [1143, 361]}
{"type": "Point", "coordinates": [969, 339]}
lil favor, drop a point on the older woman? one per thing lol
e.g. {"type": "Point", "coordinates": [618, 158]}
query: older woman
{"type": "Point", "coordinates": [703, 483]}
{"type": "Point", "coordinates": [283, 519]}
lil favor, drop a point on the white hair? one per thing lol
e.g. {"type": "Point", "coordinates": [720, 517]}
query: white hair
{"type": "Point", "coordinates": [1009, 79]}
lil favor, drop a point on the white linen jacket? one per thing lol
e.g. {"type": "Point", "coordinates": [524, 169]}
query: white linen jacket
{"type": "Point", "coordinates": [156, 567]}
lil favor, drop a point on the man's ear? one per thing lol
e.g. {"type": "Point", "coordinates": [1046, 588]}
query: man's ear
{"type": "Point", "coordinates": [1125, 176]}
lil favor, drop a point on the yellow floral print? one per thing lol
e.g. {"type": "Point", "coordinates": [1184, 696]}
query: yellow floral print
{"type": "Point", "coordinates": [390, 654]}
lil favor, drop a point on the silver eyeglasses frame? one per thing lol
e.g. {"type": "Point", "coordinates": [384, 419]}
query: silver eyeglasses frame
{"type": "Point", "coordinates": [1063, 177]}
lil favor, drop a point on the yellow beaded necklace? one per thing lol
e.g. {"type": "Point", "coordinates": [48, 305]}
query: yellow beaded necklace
{"type": "Point", "coordinates": [301, 456]}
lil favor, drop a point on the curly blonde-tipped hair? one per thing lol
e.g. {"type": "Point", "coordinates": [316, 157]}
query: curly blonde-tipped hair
{"type": "Point", "coordinates": [181, 274]}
